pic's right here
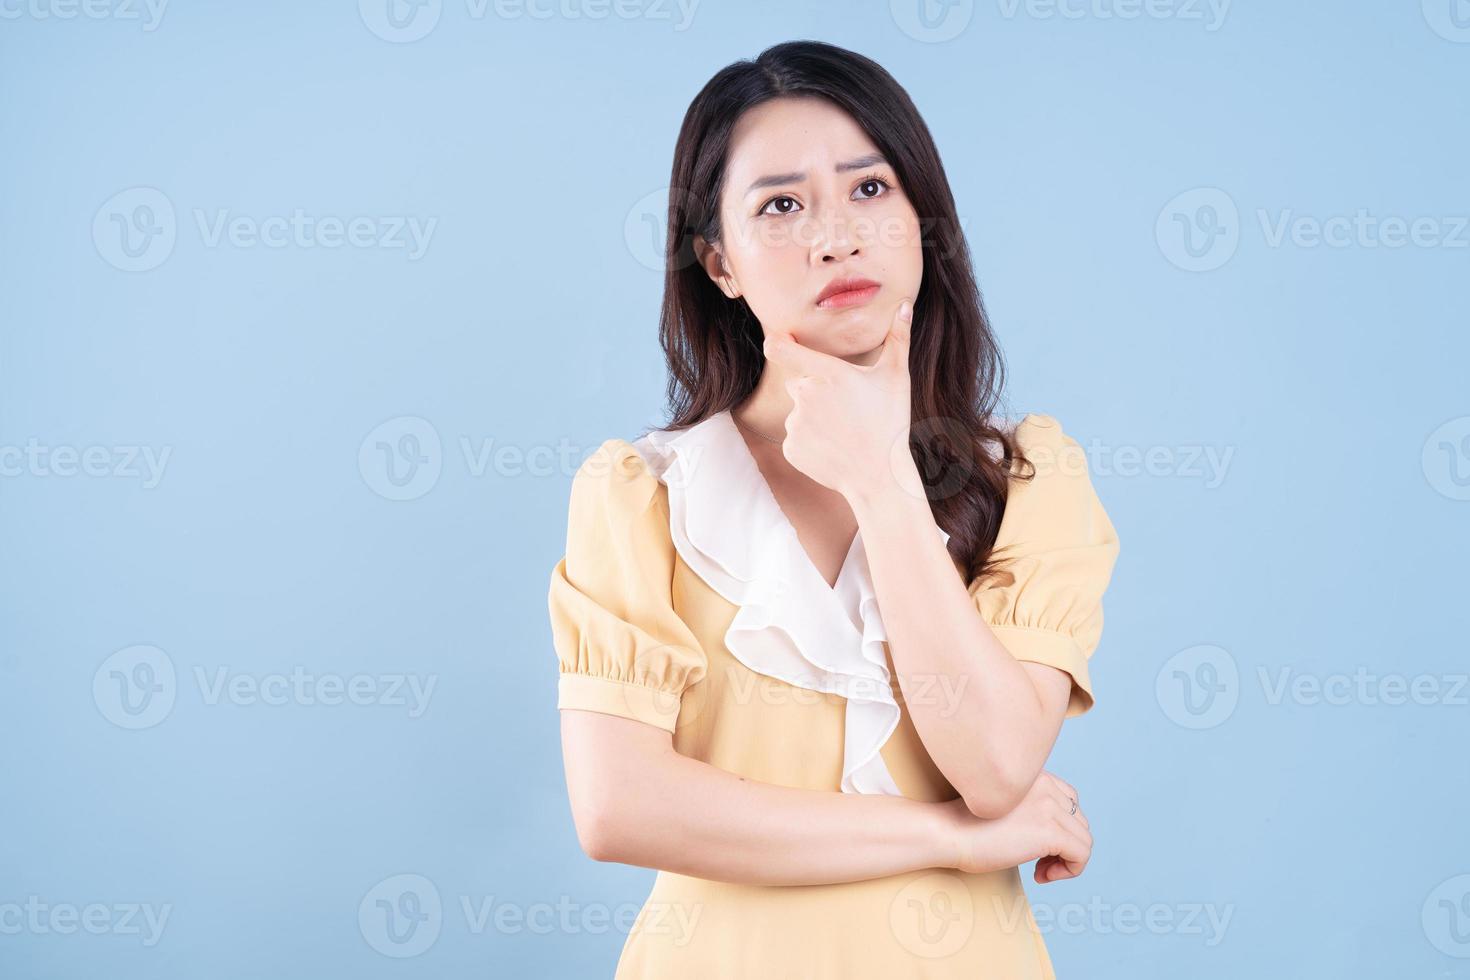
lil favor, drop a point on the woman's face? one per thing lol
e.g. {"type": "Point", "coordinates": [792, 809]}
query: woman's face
{"type": "Point", "coordinates": [808, 199]}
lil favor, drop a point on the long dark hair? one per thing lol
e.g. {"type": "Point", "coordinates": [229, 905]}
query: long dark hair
{"type": "Point", "coordinates": [713, 343]}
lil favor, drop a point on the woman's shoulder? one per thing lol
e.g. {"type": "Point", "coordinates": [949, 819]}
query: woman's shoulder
{"type": "Point", "coordinates": [1054, 496]}
{"type": "Point", "coordinates": [1052, 493]}
{"type": "Point", "coordinates": [1033, 433]}
{"type": "Point", "coordinates": [619, 477]}
{"type": "Point", "coordinates": [1037, 426]}
{"type": "Point", "coordinates": [1044, 441]}
{"type": "Point", "coordinates": [617, 465]}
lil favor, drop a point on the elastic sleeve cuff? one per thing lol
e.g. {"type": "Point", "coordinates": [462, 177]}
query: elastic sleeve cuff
{"type": "Point", "coordinates": [588, 692]}
{"type": "Point", "coordinates": [1054, 649]}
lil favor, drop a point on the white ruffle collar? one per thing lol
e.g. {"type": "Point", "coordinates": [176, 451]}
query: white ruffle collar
{"type": "Point", "coordinates": [728, 528]}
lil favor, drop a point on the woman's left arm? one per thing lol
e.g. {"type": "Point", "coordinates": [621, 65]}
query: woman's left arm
{"type": "Point", "coordinates": [987, 712]}
{"type": "Point", "coordinates": [988, 720]}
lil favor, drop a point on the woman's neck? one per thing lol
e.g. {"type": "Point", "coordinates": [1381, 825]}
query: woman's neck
{"type": "Point", "coordinates": [765, 409]}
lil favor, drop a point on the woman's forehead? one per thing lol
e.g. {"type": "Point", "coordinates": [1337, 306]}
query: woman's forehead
{"type": "Point", "coordinates": [795, 130]}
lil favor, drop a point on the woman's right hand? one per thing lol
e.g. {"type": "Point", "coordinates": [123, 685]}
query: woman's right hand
{"type": "Point", "coordinates": [1039, 829]}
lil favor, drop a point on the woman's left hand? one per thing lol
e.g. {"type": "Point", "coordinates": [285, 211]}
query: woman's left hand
{"type": "Point", "coordinates": [849, 425]}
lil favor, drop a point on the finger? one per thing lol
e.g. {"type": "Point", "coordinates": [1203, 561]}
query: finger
{"type": "Point", "coordinates": [1064, 813]}
{"type": "Point", "coordinates": [787, 351]}
{"type": "Point", "coordinates": [1064, 809]}
{"type": "Point", "coordinates": [1065, 787]}
{"type": "Point", "coordinates": [1058, 869]}
{"type": "Point", "coordinates": [796, 387]}
{"type": "Point", "coordinates": [1069, 862]}
{"type": "Point", "coordinates": [1055, 869]}
{"type": "Point", "coordinates": [1083, 837]}
{"type": "Point", "coordinates": [1060, 790]}
{"type": "Point", "coordinates": [1072, 854]}
{"type": "Point", "coordinates": [895, 354]}
{"type": "Point", "coordinates": [1078, 827]}
{"type": "Point", "coordinates": [1067, 800]}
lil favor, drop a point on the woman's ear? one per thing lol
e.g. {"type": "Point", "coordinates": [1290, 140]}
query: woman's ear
{"type": "Point", "coordinates": [713, 263]}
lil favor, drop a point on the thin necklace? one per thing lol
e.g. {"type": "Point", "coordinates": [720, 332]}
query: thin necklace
{"type": "Point", "coordinates": [747, 428]}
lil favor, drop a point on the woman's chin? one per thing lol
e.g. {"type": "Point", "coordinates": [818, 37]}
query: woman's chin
{"type": "Point", "coordinates": [859, 343]}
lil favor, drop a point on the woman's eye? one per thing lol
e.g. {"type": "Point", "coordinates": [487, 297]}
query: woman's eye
{"type": "Point", "coordinates": [868, 189]}
{"type": "Point", "coordinates": [780, 210]}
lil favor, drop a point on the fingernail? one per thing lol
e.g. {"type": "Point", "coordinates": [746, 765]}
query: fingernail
{"type": "Point", "coordinates": [906, 311]}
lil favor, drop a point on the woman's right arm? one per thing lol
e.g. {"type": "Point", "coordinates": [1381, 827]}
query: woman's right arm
{"type": "Point", "coordinates": [636, 800]}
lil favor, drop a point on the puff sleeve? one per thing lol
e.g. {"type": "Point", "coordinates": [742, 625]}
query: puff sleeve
{"type": "Point", "coordinates": [621, 647]}
{"type": "Point", "coordinates": [1054, 556]}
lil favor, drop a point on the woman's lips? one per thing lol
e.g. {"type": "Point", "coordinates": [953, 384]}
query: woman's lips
{"type": "Point", "coordinates": [849, 297]}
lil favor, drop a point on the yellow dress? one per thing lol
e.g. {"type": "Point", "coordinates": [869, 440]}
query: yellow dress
{"type": "Point", "coordinates": [685, 601]}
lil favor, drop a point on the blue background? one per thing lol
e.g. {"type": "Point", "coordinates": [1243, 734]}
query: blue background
{"type": "Point", "coordinates": [1332, 835]}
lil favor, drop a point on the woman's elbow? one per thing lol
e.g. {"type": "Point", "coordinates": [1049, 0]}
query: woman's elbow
{"type": "Point", "coordinates": [596, 829]}
{"type": "Point", "coordinates": [994, 798]}
{"type": "Point", "coordinates": [612, 768]}
{"type": "Point", "coordinates": [594, 813]}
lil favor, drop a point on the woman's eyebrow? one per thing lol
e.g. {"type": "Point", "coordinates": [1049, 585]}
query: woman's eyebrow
{"type": "Point", "coordinates": [861, 163]}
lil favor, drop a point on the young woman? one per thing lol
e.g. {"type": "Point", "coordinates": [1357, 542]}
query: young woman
{"type": "Point", "coordinates": [817, 637]}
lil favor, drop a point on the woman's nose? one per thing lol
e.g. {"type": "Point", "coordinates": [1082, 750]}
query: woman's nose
{"type": "Point", "coordinates": [835, 234]}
